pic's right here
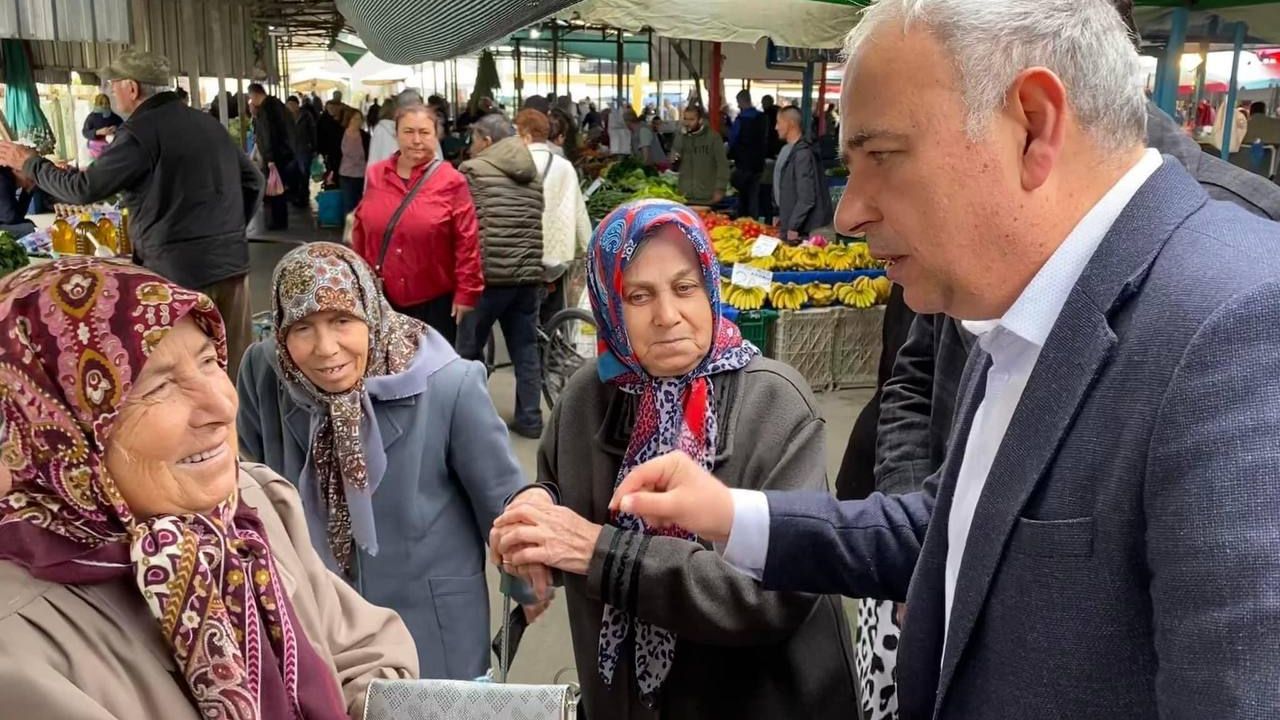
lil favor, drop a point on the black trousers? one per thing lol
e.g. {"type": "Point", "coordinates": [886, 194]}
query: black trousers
{"type": "Point", "coordinates": [437, 313]}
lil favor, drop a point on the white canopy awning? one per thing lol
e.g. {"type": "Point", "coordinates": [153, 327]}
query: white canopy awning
{"type": "Point", "coordinates": [793, 23]}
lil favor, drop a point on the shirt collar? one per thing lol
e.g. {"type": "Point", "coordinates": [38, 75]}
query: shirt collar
{"type": "Point", "coordinates": [1033, 315]}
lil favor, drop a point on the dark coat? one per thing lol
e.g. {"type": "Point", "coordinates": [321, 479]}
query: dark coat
{"type": "Point", "coordinates": [742, 652]}
{"type": "Point", "coordinates": [508, 197]}
{"type": "Point", "coordinates": [1124, 556]}
{"type": "Point", "coordinates": [189, 189]}
{"type": "Point", "coordinates": [96, 121]}
{"type": "Point", "coordinates": [804, 200]}
{"type": "Point", "coordinates": [273, 133]}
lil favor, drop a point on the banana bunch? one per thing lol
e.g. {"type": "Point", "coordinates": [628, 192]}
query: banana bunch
{"type": "Point", "coordinates": [842, 258]}
{"type": "Point", "coordinates": [811, 258]}
{"type": "Point", "coordinates": [883, 286]}
{"type": "Point", "coordinates": [860, 293]}
{"type": "Point", "coordinates": [732, 251]}
{"type": "Point", "coordinates": [768, 262]}
{"type": "Point", "coordinates": [820, 294]}
{"type": "Point", "coordinates": [788, 296]}
{"type": "Point", "coordinates": [745, 298]}
{"type": "Point", "coordinates": [786, 257]}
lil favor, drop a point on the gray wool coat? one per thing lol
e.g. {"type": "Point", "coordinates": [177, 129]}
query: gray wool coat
{"type": "Point", "coordinates": [742, 653]}
{"type": "Point", "coordinates": [449, 471]}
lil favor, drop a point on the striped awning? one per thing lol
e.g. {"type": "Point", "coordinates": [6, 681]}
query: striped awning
{"type": "Point", "coordinates": [407, 33]}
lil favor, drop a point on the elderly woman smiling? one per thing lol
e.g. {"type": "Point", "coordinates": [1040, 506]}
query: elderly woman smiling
{"type": "Point", "coordinates": [662, 626]}
{"type": "Point", "coordinates": [144, 573]}
{"type": "Point", "coordinates": [400, 457]}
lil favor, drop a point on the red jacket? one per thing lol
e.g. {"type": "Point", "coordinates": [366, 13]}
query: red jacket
{"type": "Point", "coordinates": [435, 249]}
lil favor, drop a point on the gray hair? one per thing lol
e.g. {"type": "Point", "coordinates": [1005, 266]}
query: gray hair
{"type": "Point", "coordinates": [1084, 42]}
{"type": "Point", "coordinates": [493, 126]}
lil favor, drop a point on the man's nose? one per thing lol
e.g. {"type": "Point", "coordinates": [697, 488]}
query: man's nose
{"type": "Point", "coordinates": [857, 208]}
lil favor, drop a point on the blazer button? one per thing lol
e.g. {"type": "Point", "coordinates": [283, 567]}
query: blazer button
{"type": "Point", "coordinates": [399, 251]}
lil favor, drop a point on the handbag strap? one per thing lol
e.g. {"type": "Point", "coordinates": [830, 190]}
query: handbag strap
{"type": "Point", "coordinates": [505, 659]}
{"type": "Point", "coordinates": [404, 205]}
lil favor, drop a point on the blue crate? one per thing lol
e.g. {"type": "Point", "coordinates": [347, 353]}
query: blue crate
{"type": "Point", "coordinates": [830, 277]}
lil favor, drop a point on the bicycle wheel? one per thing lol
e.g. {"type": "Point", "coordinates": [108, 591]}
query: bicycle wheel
{"type": "Point", "coordinates": [566, 342]}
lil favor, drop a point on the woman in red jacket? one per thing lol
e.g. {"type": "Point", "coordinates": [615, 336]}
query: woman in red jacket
{"type": "Point", "coordinates": [431, 267]}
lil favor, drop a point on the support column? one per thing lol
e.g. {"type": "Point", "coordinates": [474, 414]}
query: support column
{"type": "Point", "coordinates": [1228, 122]}
{"type": "Point", "coordinates": [1171, 68]}
{"type": "Point", "coordinates": [715, 89]}
{"type": "Point", "coordinates": [806, 99]}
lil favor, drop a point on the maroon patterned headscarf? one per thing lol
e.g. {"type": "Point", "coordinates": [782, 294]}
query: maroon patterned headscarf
{"type": "Point", "coordinates": [74, 336]}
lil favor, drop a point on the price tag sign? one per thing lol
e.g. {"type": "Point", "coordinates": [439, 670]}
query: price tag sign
{"type": "Point", "coordinates": [751, 277]}
{"type": "Point", "coordinates": [591, 189]}
{"type": "Point", "coordinates": [764, 246]}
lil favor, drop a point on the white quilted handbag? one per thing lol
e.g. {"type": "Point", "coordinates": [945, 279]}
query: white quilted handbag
{"type": "Point", "coordinates": [463, 700]}
{"type": "Point", "coordinates": [466, 700]}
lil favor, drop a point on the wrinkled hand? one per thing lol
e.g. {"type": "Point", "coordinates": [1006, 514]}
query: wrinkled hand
{"type": "Point", "coordinates": [540, 533]}
{"type": "Point", "coordinates": [537, 576]}
{"type": "Point", "coordinates": [13, 155]}
{"type": "Point", "coordinates": [793, 235]}
{"type": "Point", "coordinates": [460, 311]}
{"type": "Point", "coordinates": [675, 490]}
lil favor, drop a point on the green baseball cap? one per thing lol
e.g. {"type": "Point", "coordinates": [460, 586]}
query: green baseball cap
{"type": "Point", "coordinates": [143, 67]}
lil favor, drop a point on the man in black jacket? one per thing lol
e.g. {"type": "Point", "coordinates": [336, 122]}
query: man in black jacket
{"type": "Point", "coordinates": [273, 138]}
{"type": "Point", "coordinates": [804, 203]}
{"type": "Point", "coordinates": [304, 133]}
{"type": "Point", "coordinates": [189, 189]}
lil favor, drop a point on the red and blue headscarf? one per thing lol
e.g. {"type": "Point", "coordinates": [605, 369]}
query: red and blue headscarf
{"type": "Point", "coordinates": [671, 413]}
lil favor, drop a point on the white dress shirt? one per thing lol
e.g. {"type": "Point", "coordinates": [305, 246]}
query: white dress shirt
{"type": "Point", "coordinates": [1014, 343]}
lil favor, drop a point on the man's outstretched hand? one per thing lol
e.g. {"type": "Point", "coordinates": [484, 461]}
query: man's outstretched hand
{"type": "Point", "coordinates": [675, 490]}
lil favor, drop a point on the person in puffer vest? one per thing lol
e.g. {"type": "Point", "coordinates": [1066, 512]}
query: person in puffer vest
{"type": "Point", "coordinates": [508, 198]}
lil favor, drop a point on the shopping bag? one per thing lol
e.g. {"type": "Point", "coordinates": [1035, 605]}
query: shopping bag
{"type": "Point", "coordinates": [463, 700]}
{"type": "Point", "coordinates": [275, 186]}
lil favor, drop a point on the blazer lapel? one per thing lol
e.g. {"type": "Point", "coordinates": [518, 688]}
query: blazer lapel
{"type": "Point", "coordinates": [1075, 354]}
{"type": "Point", "coordinates": [393, 417]}
{"type": "Point", "coordinates": [920, 647]}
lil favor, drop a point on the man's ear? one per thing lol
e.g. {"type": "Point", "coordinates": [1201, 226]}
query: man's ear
{"type": "Point", "coordinates": [1037, 104]}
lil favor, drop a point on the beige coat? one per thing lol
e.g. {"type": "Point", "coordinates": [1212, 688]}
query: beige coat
{"type": "Point", "coordinates": [94, 652]}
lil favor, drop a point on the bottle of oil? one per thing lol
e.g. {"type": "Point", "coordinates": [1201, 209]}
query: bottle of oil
{"type": "Point", "coordinates": [107, 235]}
{"type": "Point", "coordinates": [64, 237]}
{"type": "Point", "coordinates": [86, 235]}
{"type": "Point", "coordinates": [125, 244]}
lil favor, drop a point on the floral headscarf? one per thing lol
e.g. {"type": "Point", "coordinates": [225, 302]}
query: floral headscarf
{"type": "Point", "coordinates": [75, 335]}
{"type": "Point", "coordinates": [672, 413]}
{"type": "Point", "coordinates": [322, 277]}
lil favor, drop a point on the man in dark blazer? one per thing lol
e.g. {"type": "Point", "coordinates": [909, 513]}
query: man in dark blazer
{"type": "Point", "coordinates": [900, 437]}
{"type": "Point", "coordinates": [1101, 538]}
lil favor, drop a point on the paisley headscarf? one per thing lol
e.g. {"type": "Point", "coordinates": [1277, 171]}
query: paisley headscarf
{"type": "Point", "coordinates": [74, 336]}
{"type": "Point", "coordinates": [322, 277]}
{"type": "Point", "coordinates": [671, 413]}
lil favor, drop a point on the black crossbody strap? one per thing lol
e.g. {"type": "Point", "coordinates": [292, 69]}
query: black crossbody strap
{"type": "Point", "coordinates": [404, 205]}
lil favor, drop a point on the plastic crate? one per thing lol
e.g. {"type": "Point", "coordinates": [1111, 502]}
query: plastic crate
{"type": "Point", "coordinates": [756, 327]}
{"type": "Point", "coordinates": [855, 354]}
{"type": "Point", "coordinates": [804, 340]}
